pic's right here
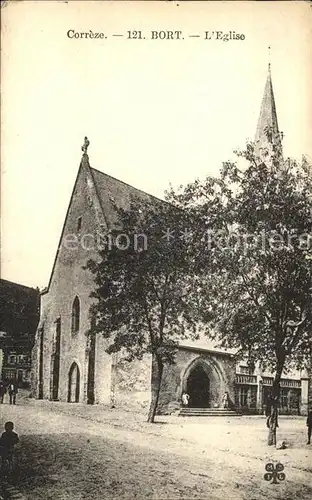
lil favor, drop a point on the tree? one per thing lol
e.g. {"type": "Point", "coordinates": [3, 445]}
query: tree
{"type": "Point", "coordinates": [252, 250]}
{"type": "Point", "coordinates": [143, 302]}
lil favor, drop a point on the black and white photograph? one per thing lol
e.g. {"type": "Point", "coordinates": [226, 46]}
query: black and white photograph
{"type": "Point", "coordinates": [156, 250]}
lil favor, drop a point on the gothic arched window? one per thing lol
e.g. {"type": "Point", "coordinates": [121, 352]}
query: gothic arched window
{"type": "Point", "coordinates": [75, 315]}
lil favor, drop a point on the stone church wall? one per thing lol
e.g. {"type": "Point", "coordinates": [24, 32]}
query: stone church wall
{"type": "Point", "coordinates": [131, 388]}
{"type": "Point", "coordinates": [103, 373]}
{"type": "Point", "coordinates": [69, 280]}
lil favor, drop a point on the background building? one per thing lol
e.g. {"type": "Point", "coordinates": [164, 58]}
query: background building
{"type": "Point", "coordinates": [19, 316]}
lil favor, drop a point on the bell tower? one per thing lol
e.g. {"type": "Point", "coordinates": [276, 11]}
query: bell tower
{"type": "Point", "coordinates": [268, 137]}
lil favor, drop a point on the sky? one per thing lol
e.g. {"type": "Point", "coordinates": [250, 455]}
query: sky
{"type": "Point", "coordinates": [155, 111]}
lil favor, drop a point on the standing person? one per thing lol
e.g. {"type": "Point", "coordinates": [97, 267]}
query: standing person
{"type": "Point", "coordinates": [12, 392]}
{"type": "Point", "coordinates": [225, 400]}
{"type": "Point", "coordinates": [8, 440]}
{"type": "Point", "coordinates": [2, 391]}
{"type": "Point", "coordinates": [185, 399]}
{"type": "Point", "coordinates": [272, 421]}
{"type": "Point", "coordinates": [309, 425]}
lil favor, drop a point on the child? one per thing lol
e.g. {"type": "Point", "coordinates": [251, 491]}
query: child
{"type": "Point", "coordinates": [8, 440]}
{"type": "Point", "coordinates": [309, 425]}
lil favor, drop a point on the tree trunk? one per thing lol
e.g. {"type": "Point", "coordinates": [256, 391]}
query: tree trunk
{"type": "Point", "coordinates": [157, 371]}
{"type": "Point", "coordinates": [272, 425]}
{"type": "Point", "coordinates": [309, 370]}
{"type": "Point", "coordinates": [272, 419]}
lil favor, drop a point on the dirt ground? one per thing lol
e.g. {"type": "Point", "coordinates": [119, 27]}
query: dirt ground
{"type": "Point", "coordinates": [78, 452]}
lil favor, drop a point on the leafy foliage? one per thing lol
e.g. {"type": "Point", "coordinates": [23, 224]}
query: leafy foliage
{"type": "Point", "coordinates": [143, 300]}
{"type": "Point", "coordinates": [252, 251]}
{"type": "Point", "coordinates": [242, 273]}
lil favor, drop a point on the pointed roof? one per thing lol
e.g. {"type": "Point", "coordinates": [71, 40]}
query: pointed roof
{"type": "Point", "coordinates": [113, 192]}
{"type": "Point", "coordinates": [106, 193]}
{"type": "Point", "coordinates": [267, 128]}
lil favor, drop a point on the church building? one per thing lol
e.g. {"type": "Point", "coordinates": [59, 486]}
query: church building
{"type": "Point", "coordinates": [69, 366]}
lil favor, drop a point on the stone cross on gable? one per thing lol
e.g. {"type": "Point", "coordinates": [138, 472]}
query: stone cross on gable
{"type": "Point", "coordinates": [84, 148]}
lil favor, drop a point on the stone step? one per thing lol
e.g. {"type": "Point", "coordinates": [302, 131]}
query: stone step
{"type": "Point", "coordinates": [211, 410]}
{"type": "Point", "coordinates": [207, 412]}
{"type": "Point", "coordinates": [215, 410]}
{"type": "Point", "coordinates": [209, 415]}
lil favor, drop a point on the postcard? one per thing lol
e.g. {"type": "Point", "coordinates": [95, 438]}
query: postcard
{"type": "Point", "coordinates": [156, 278]}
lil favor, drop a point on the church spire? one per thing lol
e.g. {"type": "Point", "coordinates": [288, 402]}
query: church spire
{"type": "Point", "coordinates": [267, 134]}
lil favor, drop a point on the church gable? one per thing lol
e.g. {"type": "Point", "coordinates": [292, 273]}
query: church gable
{"type": "Point", "coordinates": [78, 238]}
{"type": "Point", "coordinates": [92, 207]}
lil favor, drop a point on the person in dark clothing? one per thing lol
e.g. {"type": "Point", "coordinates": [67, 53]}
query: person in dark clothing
{"type": "Point", "coordinates": [8, 440]}
{"type": "Point", "coordinates": [12, 392]}
{"type": "Point", "coordinates": [309, 425]}
{"type": "Point", "coordinates": [2, 391]}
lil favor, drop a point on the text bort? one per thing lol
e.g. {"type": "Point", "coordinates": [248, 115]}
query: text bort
{"type": "Point", "coordinates": [166, 35]}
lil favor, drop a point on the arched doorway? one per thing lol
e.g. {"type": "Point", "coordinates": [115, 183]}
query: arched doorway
{"type": "Point", "coordinates": [73, 384]}
{"type": "Point", "coordinates": [205, 382]}
{"type": "Point", "coordinates": [198, 388]}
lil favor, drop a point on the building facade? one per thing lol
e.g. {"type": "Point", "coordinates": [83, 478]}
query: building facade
{"type": "Point", "coordinates": [69, 365]}
{"type": "Point", "coordinates": [253, 391]}
{"type": "Point", "coordinates": [17, 366]}
{"type": "Point", "coordinates": [19, 318]}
